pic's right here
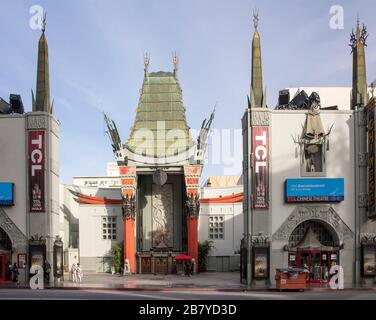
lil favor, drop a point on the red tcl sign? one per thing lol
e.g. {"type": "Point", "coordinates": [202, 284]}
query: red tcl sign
{"type": "Point", "coordinates": [36, 170]}
{"type": "Point", "coordinates": [260, 176]}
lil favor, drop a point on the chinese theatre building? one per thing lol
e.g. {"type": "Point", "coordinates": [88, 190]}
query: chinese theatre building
{"type": "Point", "coordinates": [309, 179]}
{"type": "Point", "coordinates": [160, 168]}
{"type": "Point", "coordinates": [29, 180]}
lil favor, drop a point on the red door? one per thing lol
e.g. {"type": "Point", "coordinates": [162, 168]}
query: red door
{"type": "Point", "coordinates": [2, 267]}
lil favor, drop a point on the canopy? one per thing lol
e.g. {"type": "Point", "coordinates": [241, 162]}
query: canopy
{"type": "Point", "coordinates": [183, 257]}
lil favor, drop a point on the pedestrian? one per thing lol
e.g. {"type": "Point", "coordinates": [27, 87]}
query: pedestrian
{"type": "Point", "coordinates": [79, 273]}
{"type": "Point", "coordinates": [192, 266]}
{"type": "Point", "coordinates": [73, 272]}
{"type": "Point", "coordinates": [187, 269]}
{"type": "Point", "coordinates": [47, 271]}
{"type": "Point", "coordinates": [15, 274]}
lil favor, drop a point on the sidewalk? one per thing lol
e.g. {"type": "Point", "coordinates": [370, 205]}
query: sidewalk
{"type": "Point", "coordinates": [211, 281]}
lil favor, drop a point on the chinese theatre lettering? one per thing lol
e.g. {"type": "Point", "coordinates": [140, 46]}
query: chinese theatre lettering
{"type": "Point", "coordinates": [36, 170]}
{"type": "Point", "coordinates": [260, 143]}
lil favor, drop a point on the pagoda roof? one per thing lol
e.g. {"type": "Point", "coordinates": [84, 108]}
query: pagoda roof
{"type": "Point", "coordinates": [160, 110]}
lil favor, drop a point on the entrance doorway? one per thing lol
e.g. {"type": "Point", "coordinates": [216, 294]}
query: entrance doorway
{"type": "Point", "coordinates": [317, 262]}
{"type": "Point", "coordinates": [314, 248]}
{"type": "Point", "coordinates": [2, 267]}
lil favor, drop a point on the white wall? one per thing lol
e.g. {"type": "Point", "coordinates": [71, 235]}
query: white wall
{"type": "Point", "coordinates": [233, 218]}
{"type": "Point", "coordinates": [284, 164]}
{"type": "Point", "coordinates": [13, 165]}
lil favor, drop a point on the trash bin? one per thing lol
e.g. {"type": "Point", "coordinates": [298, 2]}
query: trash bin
{"type": "Point", "coordinates": [291, 279]}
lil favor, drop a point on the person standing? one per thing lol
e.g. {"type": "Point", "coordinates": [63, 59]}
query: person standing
{"type": "Point", "coordinates": [79, 273]}
{"type": "Point", "coordinates": [15, 273]}
{"type": "Point", "coordinates": [47, 271]}
{"type": "Point", "coordinates": [73, 272]}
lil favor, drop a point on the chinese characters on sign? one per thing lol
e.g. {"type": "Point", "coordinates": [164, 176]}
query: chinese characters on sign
{"type": "Point", "coordinates": [36, 170]}
{"type": "Point", "coordinates": [260, 147]}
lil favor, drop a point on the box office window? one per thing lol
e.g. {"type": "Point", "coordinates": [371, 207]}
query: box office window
{"type": "Point", "coordinates": [369, 260]}
{"type": "Point", "coordinates": [109, 227]}
{"type": "Point", "coordinates": [216, 227]}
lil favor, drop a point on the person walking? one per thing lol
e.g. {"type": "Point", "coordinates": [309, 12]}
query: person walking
{"type": "Point", "coordinates": [79, 273]}
{"type": "Point", "coordinates": [47, 271]}
{"type": "Point", "coordinates": [73, 272]}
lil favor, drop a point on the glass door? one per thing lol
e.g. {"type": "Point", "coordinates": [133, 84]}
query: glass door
{"type": "Point", "coordinates": [315, 274]}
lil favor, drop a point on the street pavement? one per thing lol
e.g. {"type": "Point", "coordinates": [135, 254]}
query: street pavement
{"type": "Point", "coordinates": [95, 294]}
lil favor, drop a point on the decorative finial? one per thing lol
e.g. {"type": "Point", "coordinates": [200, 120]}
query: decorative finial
{"type": "Point", "coordinates": [146, 61]}
{"type": "Point", "coordinates": [255, 18]}
{"type": "Point", "coordinates": [44, 22]}
{"type": "Point", "coordinates": [175, 61]}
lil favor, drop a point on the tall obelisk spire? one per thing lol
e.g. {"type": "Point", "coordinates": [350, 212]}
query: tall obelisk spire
{"type": "Point", "coordinates": [359, 96]}
{"type": "Point", "coordinates": [42, 99]}
{"type": "Point", "coordinates": [256, 92]}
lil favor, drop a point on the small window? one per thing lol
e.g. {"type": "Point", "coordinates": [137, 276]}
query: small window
{"type": "Point", "coordinates": [109, 227]}
{"type": "Point", "coordinates": [216, 227]}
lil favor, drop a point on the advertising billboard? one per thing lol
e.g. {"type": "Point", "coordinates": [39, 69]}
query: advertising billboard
{"type": "Point", "coordinates": [6, 194]}
{"type": "Point", "coordinates": [260, 176]}
{"type": "Point", "coordinates": [36, 170]}
{"type": "Point", "coordinates": [315, 190]}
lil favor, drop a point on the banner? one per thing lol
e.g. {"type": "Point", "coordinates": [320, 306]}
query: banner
{"type": "Point", "coordinates": [260, 177]}
{"type": "Point", "coordinates": [371, 161]}
{"type": "Point", "coordinates": [36, 170]}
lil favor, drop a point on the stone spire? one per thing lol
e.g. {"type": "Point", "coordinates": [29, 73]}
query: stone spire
{"type": "Point", "coordinates": [256, 92]}
{"type": "Point", "coordinates": [359, 96]}
{"type": "Point", "coordinates": [41, 102]}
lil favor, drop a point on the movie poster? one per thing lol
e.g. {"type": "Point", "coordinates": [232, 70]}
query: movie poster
{"type": "Point", "coordinates": [261, 264]}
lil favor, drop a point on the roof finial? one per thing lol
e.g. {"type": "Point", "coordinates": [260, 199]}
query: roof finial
{"type": "Point", "coordinates": [175, 61]}
{"type": "Point", "coordinates": [44, 22]}
{"type": "Point", "coordinates": [146, 61]}
{"type": "Point", "coordinates": [255, 18]}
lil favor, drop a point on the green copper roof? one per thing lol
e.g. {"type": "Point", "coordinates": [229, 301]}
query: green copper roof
{"type": "Point", "coordinates": [160, 110]}
{"type": "Point", "coordinates": [42, 99]}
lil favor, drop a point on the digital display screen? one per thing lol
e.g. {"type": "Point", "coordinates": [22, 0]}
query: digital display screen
{"type": "Point", "coordinates": [6, 194]}
{"type": "Point", "coordinates": [315, 190]}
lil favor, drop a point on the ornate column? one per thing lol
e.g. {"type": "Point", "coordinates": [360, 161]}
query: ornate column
{"type": "Point", "coordinates": [128, 190]}
{"type": "Point", "coordinates": [192, 176]}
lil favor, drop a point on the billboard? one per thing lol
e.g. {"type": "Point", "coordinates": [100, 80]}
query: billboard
{"type": "Point", "coordinates": [315, 190]}
{"type": "Point", "coordinates": [260, 164]}
{"type": "Point", "coordinates": [36, 170]}
{"type": "Point", "coordinates": [6, 194]}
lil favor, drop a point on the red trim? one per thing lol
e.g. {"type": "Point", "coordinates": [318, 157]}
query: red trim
{"type": "Point", "coordinates": [228, 199]}
{"type": "Point", "coordinates": [85, 199]}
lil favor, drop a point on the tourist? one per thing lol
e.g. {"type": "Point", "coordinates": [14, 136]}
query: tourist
{"type": "Point", "coordinates": [79, 273]}
{"type": "Point", "coordinates": [73, 272]}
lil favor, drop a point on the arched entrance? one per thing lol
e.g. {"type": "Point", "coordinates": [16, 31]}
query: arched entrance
{"type": "Point", "coordinates": [313, 246]}
{"type": "Point", "coordinates": [5, 255]}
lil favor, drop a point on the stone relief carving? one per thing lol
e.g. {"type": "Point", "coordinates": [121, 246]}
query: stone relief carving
{"type": "Point", "coordinates": [363, 159]}
{"type": "Point", "coordinates": [260, 118]}
{"type": "Point", "coordinates": [363, 200]}
{"type": "Point", "coordinates": [301, 214]}
{"type": "Point", "coordinates": [37, 122]}
{"type": "Point", "coordinates": [368, 238]}
{"type": "Point", "coordinates": [162, 215]}
{"type": "Point", "coordinates": [16, 236]}
{"type": "Point", "coordinates": [260, 241]}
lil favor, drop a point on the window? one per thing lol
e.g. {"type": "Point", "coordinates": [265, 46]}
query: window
{"type": "Point", "coordinates": [109, 228]}
{"type": "Point", "coordinates": [216, 228]}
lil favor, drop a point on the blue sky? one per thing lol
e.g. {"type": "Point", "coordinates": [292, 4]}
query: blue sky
{"type": "Point", "coordinates": [96, 52]}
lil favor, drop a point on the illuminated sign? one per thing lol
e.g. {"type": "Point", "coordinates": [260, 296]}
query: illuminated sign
{"type": "Point", "coordinates": [6, 194]}
{"type": "Point", "coordinates": [314, 190]}
{"type": "Point", "coordinates": [260, 149]}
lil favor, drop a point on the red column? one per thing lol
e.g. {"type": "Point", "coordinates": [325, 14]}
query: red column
{"type": "Point", "coordinates": [192, 230]}
{"type": "Point", "coordinates": [129, 243]}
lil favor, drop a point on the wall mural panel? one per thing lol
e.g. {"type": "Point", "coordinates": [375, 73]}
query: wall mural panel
{"type": "Point", "coordinates": [162, 216]}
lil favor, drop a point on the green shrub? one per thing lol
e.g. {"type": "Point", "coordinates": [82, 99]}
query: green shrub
{"type": "Point", "coordinates": [204, 249]}
{"type": "Point", "coordinates": [117, 251]}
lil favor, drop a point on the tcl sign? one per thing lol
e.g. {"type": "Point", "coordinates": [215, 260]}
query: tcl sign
{"type": "Point", "coordinates": [36, 170]}
{"type": "Point", "coordinates": [260, 177]}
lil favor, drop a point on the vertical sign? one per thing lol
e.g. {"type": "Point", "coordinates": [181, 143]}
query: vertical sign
{"type": "Point", "coordinates": [371, 160]}
{"type": "Point", "coordinates": [260, 149]}
{"type": "Point", "coordinates": [36, 170]}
